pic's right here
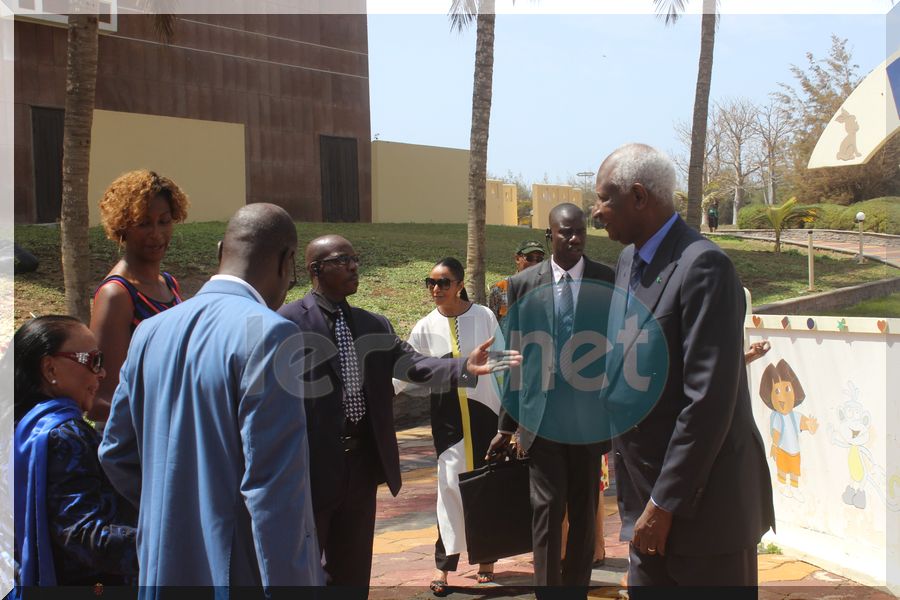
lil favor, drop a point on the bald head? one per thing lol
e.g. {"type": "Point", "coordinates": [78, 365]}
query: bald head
{"type": "Point", "coordinates": [565, 212]}
{"type": "Point", "coordinates": [259, 247]}
{"type": "Point", "coordinates": [322, 247]}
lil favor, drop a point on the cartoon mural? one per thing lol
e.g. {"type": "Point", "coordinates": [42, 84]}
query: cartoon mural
{"type": "Point", "coordinates": [781, 391]}
{"type": "Point", "coordinates": [853, 431]}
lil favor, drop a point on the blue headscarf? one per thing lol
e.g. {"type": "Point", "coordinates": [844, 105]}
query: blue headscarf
{"type": "Point", "coordinates": [30, 455]}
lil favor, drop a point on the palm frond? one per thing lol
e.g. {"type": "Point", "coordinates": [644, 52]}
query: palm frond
{"type": "Point", "coordinates": [163, 17]}
{"type": "Point", "coordinates": [462, 14]}
{"type": "Point", "coordinates": [671, 10]}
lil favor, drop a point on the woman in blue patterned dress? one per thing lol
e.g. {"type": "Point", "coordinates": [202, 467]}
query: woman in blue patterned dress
{"type": "Point", "coordinates": [71, 527]}
{"type": "Point", "coordinates": [138, 212]}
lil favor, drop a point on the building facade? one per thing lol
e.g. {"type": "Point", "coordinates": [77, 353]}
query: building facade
{"type": "Point", "coordinates": [275, 109]}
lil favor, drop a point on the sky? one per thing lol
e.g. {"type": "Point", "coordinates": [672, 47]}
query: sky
{"type": "Point", "coordinates": [569, 89]}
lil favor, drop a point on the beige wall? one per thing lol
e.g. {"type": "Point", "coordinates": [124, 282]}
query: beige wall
{"type": "Point", "coordinates": [428, 184]}
{"type": "Point", "coordinates": [205, 159]}
{"type": "Point", "coordinates": [545, 197]}
{"type": "Point", "coordinates": [419, 184]}
{"type": "Point", "coordinates": [500, 203]}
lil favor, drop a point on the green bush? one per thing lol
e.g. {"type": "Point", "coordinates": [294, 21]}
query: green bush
{"type": "Point", "coordinates": [882, 216]}
{"type": "Point", "coordinates": [827, 216]}
{"type": "Point", "coordinates": [749, 217]}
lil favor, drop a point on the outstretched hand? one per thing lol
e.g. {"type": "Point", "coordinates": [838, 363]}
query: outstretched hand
{"type": "Point", "coordinates": [483, 362]}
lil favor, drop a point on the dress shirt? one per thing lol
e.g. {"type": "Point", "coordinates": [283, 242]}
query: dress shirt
{"type": "Point", "coordinates": [575, 273]}
{"type": "Point", "coordinates": [233, 279]}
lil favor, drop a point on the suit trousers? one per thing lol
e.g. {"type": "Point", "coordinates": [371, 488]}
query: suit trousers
{"type": "Point", "coordinates": [563, 476]}
{"type": "Point", "coordinates": [346, 528]}
{"type": "Point", "coordinates": [653, 576]}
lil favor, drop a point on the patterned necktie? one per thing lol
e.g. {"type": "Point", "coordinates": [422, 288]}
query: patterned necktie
{"type": "Point", "coordinates": [637, 271]}
{"type": "Point", "coordinates": [565, 317]}
{"type": "Point", "coordinates": [354, 398]}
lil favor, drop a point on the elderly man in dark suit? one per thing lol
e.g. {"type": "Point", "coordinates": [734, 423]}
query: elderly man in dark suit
{"type": "Point", "coordinates": [553, 400]}
{"type": "Point", "coordinates": [694, 490]}
{"type": "Point", "coordinates": [351, 357]}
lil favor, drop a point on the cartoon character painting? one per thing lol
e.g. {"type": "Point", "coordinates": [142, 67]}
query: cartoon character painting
{"type": "Point", "coordinates": [781, 391]}
{"type": "Point", "coordinates": [853, 432]}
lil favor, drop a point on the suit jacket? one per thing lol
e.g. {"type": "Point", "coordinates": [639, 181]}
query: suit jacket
{"type": "Point", "coordinates": [535, 396]}
{"type": "Point", "coordinates": [382, 356]}
{"type": "Point", "coordinates": [697, 451]}
{"type": "Point", "coordinates": [207, 440]}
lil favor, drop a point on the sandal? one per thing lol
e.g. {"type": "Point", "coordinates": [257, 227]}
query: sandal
{"type": "Point", "coordinates": [438, 587]}
{"type": "Point", "coordinates": [485, 577]}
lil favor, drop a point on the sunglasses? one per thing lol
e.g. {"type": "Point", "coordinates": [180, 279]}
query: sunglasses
{"type": "Point", "coordinates": [342, 260]}
{"type": "Point", "coordinates": [443, 283]}
{"type": "Point", "coordinates": [533, 258]}
{"type": "Point", "coordinates": [93, 360]}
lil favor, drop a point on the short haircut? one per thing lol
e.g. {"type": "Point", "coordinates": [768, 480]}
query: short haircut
{"type": "Point", "coordinates": [640, 163]}
{"type": "Point", "coordinates": [777, 373]}
{"type": "Point", "coordinates": [125, 202]}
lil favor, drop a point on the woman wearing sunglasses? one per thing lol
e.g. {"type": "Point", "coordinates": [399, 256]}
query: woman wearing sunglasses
{"type": "Point", "coordinates": [72, 528]}
{"type": "Point", "coordinates": [463, 420]}
{"type": "Point", "coordinates": [138, 212]}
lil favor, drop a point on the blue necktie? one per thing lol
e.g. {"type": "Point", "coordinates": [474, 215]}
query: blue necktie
{"type": "Point", "coordinates": [565, 314]}
{"type": "Point", "coordinates": [637, 271]}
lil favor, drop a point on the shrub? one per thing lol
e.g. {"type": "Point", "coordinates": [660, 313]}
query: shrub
{"type": "Point", "coordinates": [750, 217]}
{"type": "Point", "coordinates": [882, 216]}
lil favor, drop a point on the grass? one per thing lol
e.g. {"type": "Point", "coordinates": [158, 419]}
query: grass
{"type": "Point", "coordinates": [397, 257]}
{"type": "Point", "coordinates": [883, 308]}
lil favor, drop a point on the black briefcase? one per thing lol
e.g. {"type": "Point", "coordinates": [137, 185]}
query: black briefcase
{"type": "Point", "coordinates": [497, 509]}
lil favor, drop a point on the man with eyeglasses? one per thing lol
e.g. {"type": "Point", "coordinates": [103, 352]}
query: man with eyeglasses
{"type": "Point", "coordinates": [528, 254]}
{"type": "Point", "coordinates": [204, 437]}
{"type": "Point", "coordinates": [353, 445]}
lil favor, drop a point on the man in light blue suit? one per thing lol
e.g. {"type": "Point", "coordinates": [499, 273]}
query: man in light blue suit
{"type": "Point", "coordinates": [207, 435]}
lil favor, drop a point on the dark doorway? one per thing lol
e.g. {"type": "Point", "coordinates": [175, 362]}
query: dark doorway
{"type": "Point", "coordinates": [340, 179]}
{"type": "Point", "coordinates": [47, 145]}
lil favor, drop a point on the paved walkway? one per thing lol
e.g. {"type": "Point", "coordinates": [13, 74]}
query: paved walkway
{"type": "Point", "coordinates": [405, 532]}
{"type": "Point", "coordinates": [884, 249]}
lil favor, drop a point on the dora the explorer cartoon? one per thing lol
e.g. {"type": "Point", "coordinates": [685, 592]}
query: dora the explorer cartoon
{"type": "Point", "coordinates": [781, 391]}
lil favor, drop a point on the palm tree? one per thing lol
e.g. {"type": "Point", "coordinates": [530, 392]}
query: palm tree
{"type": "Point", "coordinates": [81, 83]}
{"type": "Point", "coordinates": [462, 13]}
{"type": "Point", "coordinates": [673, 9]}
{"type": "Point", "coordinates": [783, 216]}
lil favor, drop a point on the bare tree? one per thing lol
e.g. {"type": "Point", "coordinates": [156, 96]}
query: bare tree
{"type": "Point", "coordinates": [773, 128]}
{"type": "Point", "coordinates": [737, 121]}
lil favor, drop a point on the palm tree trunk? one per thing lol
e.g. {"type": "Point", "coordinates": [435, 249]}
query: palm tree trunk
{"type": "Point", "coordinates": [701, 112]}
{"type": "Point", "coordinates": [478, 144]}
{"type": "Point", "coordinates": [81, 81]}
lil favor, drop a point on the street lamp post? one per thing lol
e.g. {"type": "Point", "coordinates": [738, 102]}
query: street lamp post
{"type": "Point", "coordinates": [585, 187]}
{"type": "Point", "coordinates": [860, 217]}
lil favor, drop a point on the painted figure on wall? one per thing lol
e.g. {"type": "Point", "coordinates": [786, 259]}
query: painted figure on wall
{"type": "Point", "coordinates": [781, 391]}
{"type": "Point", "coordinates": [854, 432]}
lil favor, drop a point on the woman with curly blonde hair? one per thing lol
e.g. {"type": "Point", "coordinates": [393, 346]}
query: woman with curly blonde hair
{"type": "Point", "coordinates": [138, 211]}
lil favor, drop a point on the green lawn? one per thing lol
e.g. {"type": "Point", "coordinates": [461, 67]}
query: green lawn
{"type": "Point", "coordinates": [397, 257]}
{"type": "Point", "coordinates": [884, 308]}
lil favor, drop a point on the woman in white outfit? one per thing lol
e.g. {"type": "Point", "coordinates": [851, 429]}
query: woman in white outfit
{"type": "Point", "coordinates": [463, 420]}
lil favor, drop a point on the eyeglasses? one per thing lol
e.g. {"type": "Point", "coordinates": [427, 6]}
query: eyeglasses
{"type": "Point", "coordinates": [93, 360]}
{"type": "Point", "coordinates": [342, 260]}
{"type": "Point", "coordinates": [443, 283]}
{"type": "Point", "coordinates": [533, 258]}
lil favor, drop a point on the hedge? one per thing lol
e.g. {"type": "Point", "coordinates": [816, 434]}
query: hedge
{"type": "Point", "coordinates": [882, 215]}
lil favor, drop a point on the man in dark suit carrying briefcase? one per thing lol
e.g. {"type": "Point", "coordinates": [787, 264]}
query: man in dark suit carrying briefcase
{"type": "Point", "coordinates": [555, 319]}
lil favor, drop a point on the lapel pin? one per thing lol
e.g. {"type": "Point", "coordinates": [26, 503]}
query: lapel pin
{"type": "Point", "coordinates": [659, 280]}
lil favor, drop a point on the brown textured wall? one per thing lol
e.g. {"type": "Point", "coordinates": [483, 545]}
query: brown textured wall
{"type": "Point", "coordinates": [288, 78]}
